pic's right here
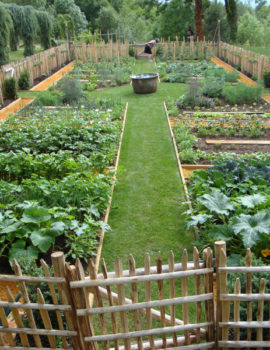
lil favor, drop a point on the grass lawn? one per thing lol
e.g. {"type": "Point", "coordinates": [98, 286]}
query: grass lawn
{"type": "Point", "coordinates": [147, 207]}
{"type": "Point", "coordinates": [18, 55]}
{"type": "Point", "coordinates": [261, 50]}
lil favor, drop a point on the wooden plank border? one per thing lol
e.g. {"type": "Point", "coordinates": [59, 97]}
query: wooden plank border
{"type": "Point", "coordinates": [179, 165]}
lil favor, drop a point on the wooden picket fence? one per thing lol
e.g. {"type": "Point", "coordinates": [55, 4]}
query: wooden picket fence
{"type": "Point", "coordinates": [250, 63]}
{"type": "Point", "coordinates": [162, 306]}
{"type": "Point", "coordinates": [42, 63]}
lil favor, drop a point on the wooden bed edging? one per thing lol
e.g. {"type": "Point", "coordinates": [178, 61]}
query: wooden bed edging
{"type": "Point", "coordinates": [180, 170]}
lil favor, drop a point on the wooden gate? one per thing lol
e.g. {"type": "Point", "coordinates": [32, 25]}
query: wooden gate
{"type": "Point", "coordinates": [157, 306]}
{"type": "Point", "coordinates": [133, 292]}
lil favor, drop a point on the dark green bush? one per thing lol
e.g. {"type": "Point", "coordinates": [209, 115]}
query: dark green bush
{"type": "Point", "coordinates": [48, 98]}
{"type": "Point", "coordinates": [24, 80]}
{"type": "Point", "coordinates": [213, 87]}
{"type": "Point", "coordinates": [72, 90]}
{"type": "Point", "coordinates": [231, 77]}
{"type": "Point", "coordinates": [131, 51]}
{"type": "Point", "coordinates": [179, 77]}
{"type": "Point", "coordinates": [266, 78]}
{"type": "Point", "coordinates": [9, 88]}
{"type": "Point", "coordinates": [242, 93]}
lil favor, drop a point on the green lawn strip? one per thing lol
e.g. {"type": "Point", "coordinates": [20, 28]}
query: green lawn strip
{"type": "Point", "coordinates": [147, 209]}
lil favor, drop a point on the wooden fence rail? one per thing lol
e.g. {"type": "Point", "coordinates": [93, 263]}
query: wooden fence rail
{"type": "Point", "coordinates": [157, 315]}
{"type": "Point", "coordinates": [250, 63]}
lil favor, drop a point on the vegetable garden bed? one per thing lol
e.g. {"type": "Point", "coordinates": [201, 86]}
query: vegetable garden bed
{"type": "Point", "coordinates": [56, 178]}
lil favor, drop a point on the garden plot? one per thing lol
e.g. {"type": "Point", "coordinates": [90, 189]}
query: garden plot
{"type": "Point", "coordinates": [103, 74]}
{"type": "Point", "coordinates": [229, 200]}
{"type": "Point", "coordinates": [56, 174]}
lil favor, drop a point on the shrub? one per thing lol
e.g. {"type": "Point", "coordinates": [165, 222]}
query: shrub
{"type": "Point", "coordinates": [180, 77]}
{"type": "Point", "coordinates": [131, 51]}
{"type": "Point", "coordinates": [24, 80]}
{"type": "Point", "coordinates": [194, 98]}
{"type": "Point", "coordinates": [213, 87]}
{"type": "Point", "coordinates": [266, 78]}
{"type": "Point", "coordinates": [9, 88]}
{"type": "Point", "coordinates": [231, 77]}
{"type": "Point", "coordinates": [242, 93]}
{"type": "Point", "coordinates": [48, 98]}
{"type": "Point", "coordinates": [72, 90]}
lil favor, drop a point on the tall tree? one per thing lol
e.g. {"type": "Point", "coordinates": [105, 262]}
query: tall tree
{"type": "Point", "coordinates": [231, 11]}
{"type": "Point", "coordinates": [6, 25]}
{"type": "Point", "coordinates": [45, 26]}
{"type": "Point", "coordinates": [29, 27]}
{"type": "Point", "coordinates": [199, 19]}
{"type": "Point", "coordinates": [15, 12]}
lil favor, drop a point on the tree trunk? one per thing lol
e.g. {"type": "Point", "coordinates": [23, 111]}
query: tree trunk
{"type": "Point", "coordinates": [231, 11]}
{"type": "Point", "coordinates": [198, 19]}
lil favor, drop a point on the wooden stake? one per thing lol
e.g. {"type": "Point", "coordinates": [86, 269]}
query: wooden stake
{"type": "Point", "coordinates": [121, 301]}
{"type": "Point", "coordinates": [147, 266]}
{"type": "Point", "coordinates": [172, 294]}
{"type": "Point", "coordinates": [236, 309]}
{"type": "Point", "coordinates": [17, 318]}
{"type": "Point", "coordinates": [25, 296]}
{"type": "Point", "coordinates": [161, 296]}
{"type": "Point", "coordinates": [134, 298]}
{"type": "Point", "coordinates": [110, 298]}
{"type": "Point", "coordinates": [184, 294]}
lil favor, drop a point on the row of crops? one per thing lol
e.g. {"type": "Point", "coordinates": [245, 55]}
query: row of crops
{"type": "Point", "coordinates": [56, 172]}
{"type": "Point", "coordinates": [230, 200]}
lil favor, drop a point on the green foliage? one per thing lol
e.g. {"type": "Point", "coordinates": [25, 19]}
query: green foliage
{"type": "Point", "coordinates": [15, 14]}
{"type": "Point", "coordinates": [24, 80]}
{"type": "Point", "coordinates": [107, 20]}
{"type": "Point", "coordinates": [68, 7]}
{"type": "Point", "coordinates": [232, 77]}
{"type": "Point", "coordinates": [5, 27]}
{"type": "Point", "coordinates": [213, 87]}
{"type": "Point", "coordinates": [242, 93]}
{"type": "Point", "coordinates": [72, 90]}
{"type": "Point", "coordinates": [131, 51]}
{"type": "Point", "coordinates": [250, 30]}
{"type": "Point", "coordinates": [266, 79]}
{"type": "Point", "coordinates": [176, 18]}
{"type": "Point", "coordinates": [48, 98]}
{"type": "Point", "coordinates": [212, 12]}
{"type": "Point", "coordinates": [29, 27]}
{"type": "Point", "coordinates": [9, 88]}
{"type": "Point", "coordinates": [49, 196]}
{"type": "Point", "coordinates": [234, 198]}
{"type": "Point", "coordinates": [45, 28]}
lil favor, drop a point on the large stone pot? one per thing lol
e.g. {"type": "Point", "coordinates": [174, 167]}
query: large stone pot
{"type": "Point", "coordinates": [145, 83]}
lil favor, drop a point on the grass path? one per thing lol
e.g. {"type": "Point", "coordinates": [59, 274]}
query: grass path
{"type": "Point", "coordinates": [147, 208]}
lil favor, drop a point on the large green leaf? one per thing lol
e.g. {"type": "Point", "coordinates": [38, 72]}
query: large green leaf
{"type": "Point", "coordinates": [196, 220]}
{"type": "Point", "coordinates": [41, 240]}
{"type": "Point", "coordinates": [18, 250]}
{"type": "Point", "coordinates": [252, 201]}
{"type": "Point", "coordinates": [217, 202]}
{"type": "Point", "coordinates": [250, 227]}
{"type": "Point", "coordinates": [35, 215]}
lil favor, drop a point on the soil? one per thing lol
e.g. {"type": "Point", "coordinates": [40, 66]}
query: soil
{"type": "Point", "coordinates": [236, 148]}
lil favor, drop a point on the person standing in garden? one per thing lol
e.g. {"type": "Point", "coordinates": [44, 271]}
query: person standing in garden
{"type": "Point", "coordinates": [190, 33]}
{"type": "Point", "coordinates": [149, 46]}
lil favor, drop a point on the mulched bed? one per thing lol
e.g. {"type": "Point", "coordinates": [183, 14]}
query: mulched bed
{"type": "Point", "coordinates": [236, 148]}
